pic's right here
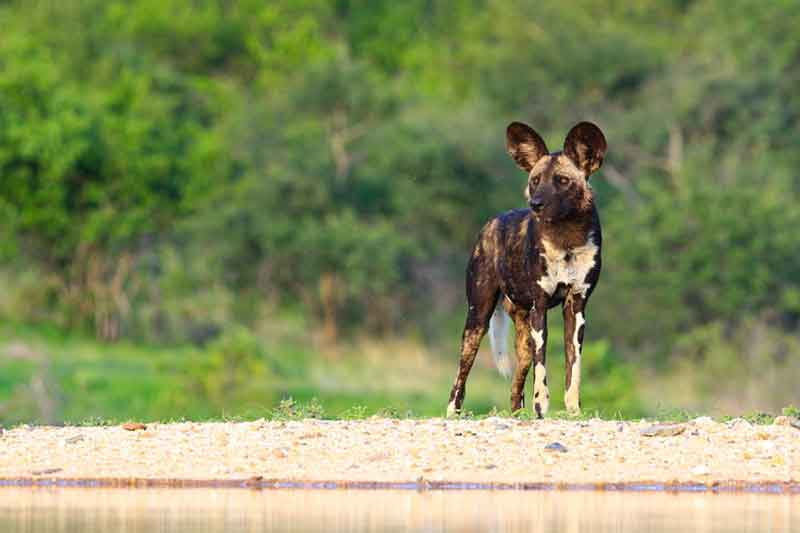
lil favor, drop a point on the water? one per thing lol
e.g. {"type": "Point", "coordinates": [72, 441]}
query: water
{"type": "Point", "coordinates": [54, 510]}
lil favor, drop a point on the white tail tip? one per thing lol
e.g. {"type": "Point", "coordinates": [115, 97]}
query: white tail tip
{"type": "Point", "coordinates": [498, 338]}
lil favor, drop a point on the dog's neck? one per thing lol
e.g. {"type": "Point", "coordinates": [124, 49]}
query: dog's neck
{"type": "Point", "coordinates": [567, 234]}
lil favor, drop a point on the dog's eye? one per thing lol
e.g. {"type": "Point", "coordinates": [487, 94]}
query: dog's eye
{"type": "Point", "coordinates": [535, 181]}
{"type": "Point", "coordinates": [562, 180]}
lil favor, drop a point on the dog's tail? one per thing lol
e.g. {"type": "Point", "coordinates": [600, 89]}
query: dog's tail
{"type": "Point", "coordinates": [498, 338]}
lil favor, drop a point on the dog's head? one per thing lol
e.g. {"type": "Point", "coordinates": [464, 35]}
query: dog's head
{"type": "Point", "coordinates": [558, 183]}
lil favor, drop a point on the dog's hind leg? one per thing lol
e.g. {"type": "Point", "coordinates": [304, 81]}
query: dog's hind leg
{"type": "Point", "coordinates": [524, 361]}
{"type": "Point", "coordinates": [481, 307]}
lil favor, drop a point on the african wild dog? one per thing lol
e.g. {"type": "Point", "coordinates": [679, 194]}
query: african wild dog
{"type": "Point", "coordinates": [530, 260]}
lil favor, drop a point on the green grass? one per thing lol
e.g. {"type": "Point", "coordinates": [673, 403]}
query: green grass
{"type": "Point", "coordinates": [244, 377]}
{"type": "Point", "coordinates": [241, 376]}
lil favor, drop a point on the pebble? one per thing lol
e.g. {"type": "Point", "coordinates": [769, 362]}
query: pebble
{"type": "Point", "coordinates": [556, 447]}
{"type": "Point", "coordinates": [663, 430]}
{"type": "Point", "coordinates": [46, 471]}
{"type": "Point", "coordinates": [133, 426]}
{"type": "Point", "coordinates": [703, 421]}
{"type": "Point", "coordinates": [791, 421]}
{"type": "Point", "coordinates": [279, 454]}
{"type": "Point", "coordinates": [739, 423]}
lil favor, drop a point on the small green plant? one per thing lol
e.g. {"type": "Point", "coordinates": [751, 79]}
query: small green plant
{"type": "Point", "coordinates": [313, 409]}
{"type": "Point", "coordinates": [504, 413]}
{"type": "Point", "coordinates": [388, 412]}
{"type": "Point", "coordinates": [759, 418]}
{"type": "Point", "coordinates": [355, 412]}
{"type": "Point", "coordinates": [675, 415]}
{"type": "Point", "coordinates": [566, 415]}
{"type": "Point", "coordinates": [289, 409]}
{"type": "Point", "coordinates": [97, 421]}
{"type": "Point", "coordinates": [791, 410]}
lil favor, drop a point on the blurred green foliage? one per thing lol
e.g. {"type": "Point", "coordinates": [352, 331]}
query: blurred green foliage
{"type": "Point", "coordinates": [202, 177]}
{"type": "Point", "coordinates": [47, 377]}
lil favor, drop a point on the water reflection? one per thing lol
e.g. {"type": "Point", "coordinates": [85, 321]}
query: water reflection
{"type": "Point", "coordinates": [184, 510]}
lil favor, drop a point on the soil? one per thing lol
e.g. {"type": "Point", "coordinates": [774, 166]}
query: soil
{"type": "Point", "coordinates": [491, 450]}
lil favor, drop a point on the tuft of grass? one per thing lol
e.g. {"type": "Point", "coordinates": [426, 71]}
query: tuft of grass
{"type": "Point", "coordinates": [759, 418]}
{"type": "Point", "coordinates": [676, 415]}
{"type": "Point", "coordinates": [355, 412]}
{"type": "Point", "coordinates": [566, 415]}
{"type": "Point", "coordinates": [97, 421]}
{"type": "Point", "coordinates": [289, 409]}
{"type": "Point", "coordinates": [755, 417]}
{"type": "Point", "coordinates": [791, 410]}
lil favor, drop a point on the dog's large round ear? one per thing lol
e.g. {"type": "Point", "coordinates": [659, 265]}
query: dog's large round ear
{"type": "Point", "coordinates": [586, 146]}
{"type": "Point", "coordinates": [524, 145]}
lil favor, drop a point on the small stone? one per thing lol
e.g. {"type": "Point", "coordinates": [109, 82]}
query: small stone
{"type": "Point", "coordinates": [46, 471]}
{"type": "Point", "coordinates": [702, 421]}
{"type": "Point", "coordinates": [738, 423]}
{"type": "Point", "coordinates": [556, 447]}
{"type": "Point", "coordinates": [279, 454]}
{"type": "Point", "coordinates": [74, 440]}
{"type": "Point", "coordinates": [663, 430]}
{"type": "Point", "coordinates": [791, 421]}
{"type": "Point", "coordinates": [701, 470]}
{"type": "Point", "coordinates": [133, 426]}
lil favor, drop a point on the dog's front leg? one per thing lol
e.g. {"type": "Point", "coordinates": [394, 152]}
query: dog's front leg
{"type": "Point", "coordinates": [574, 321]}
{"type": "Point", "coordinates": [538, 325]}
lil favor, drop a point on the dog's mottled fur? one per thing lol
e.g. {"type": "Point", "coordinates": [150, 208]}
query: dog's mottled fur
{"type": "Point", "coordinates": [530, 260]}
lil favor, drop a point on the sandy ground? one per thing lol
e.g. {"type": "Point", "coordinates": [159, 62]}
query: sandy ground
{"type": "Point", "coordinates": [489, 450]}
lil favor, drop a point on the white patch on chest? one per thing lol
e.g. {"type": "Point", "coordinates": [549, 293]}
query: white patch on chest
{"type": "Point", "coordinates": [569, 267]}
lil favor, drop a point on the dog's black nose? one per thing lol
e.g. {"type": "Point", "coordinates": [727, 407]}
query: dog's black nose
{"type": "Point", "coordinates": [536, 205]}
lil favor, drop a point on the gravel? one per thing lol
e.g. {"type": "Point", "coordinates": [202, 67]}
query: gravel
{"type": "Point", "coordinates": [489, 450]}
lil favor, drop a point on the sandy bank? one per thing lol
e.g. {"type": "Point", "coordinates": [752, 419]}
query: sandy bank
{"type": "Point", "coordinates": [490, 450]}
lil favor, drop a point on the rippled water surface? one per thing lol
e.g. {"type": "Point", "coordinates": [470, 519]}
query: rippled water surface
{"type": "Point", "coordinates": [198, 510]}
